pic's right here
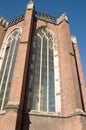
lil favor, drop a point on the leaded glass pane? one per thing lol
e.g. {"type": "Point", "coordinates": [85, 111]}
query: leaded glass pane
{"type": "Point", "coordinates": [4, 61]}
{"type": "Point", "coordinates": [51, 79]}
{"type": "Point", "coordinates": [37, 75]}
{"type": "Point", "coordinates": [8, 67]}
{"type": "Point", "coordinates": [44, 76]}
{"type": "Point", "coordinates": [44, 88]}
{"type": "Point", "coordinates": [6, 73]}
{"type": "Point", "coordinates": [11, 68]}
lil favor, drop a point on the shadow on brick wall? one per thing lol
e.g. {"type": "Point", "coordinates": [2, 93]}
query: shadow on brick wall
{"type": "Point", "coordinates": [26, 122]}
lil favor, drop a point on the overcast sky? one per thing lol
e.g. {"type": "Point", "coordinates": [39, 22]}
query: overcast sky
{"type": "Point", "coordinates": [75, 9]}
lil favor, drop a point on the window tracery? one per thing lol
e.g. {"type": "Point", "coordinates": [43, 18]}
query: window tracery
{"type": "Point", "coordinates": [8, 64]}
{"type": "Point", "coordinates": [44, 88]}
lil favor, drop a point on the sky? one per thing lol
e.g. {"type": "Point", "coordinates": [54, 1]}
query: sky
{"type": "Point", "coordinates": [75, 10]}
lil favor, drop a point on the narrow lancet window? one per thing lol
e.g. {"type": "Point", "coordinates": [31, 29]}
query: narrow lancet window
{"type": "Point", "coordinates": [8, 64]}
{"type": "Point", "coordinates": [44, 80]}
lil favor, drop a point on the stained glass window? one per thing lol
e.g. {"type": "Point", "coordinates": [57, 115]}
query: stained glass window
{"type": "Point", "coordinates": [8, 64]}
{"type": "Point", "coordinates": [44, 81]}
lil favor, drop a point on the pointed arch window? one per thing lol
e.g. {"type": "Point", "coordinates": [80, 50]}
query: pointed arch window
{"type": "Point", "coordinates": [44, 86]}
{"type": "Point", "coordinates": [6, 72]}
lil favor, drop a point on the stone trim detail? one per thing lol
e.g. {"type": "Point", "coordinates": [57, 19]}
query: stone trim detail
{"type": "Point", "coordinates": [30, 5]}
{"type": "Point", "coordinates": [16, 20]}
{"type": "Point", "coordinates": [61, 18]}
{"type": "Point", "coordinates": [45, 17]}
{"type": "Point", "coordinates": [4, 22]}
{"type": "Point", "coordinates": [74, 40]}
{"type": "Point", "coordinates": [58, 115]}
{"type": "Point", "coordinates": [24, 42]}
{"type": "Point", "coordinates": [38, 15]}
{"type": "Point", "coordinates": [12, 105]}
{"type": "Point", "coordinates": [2, 112]}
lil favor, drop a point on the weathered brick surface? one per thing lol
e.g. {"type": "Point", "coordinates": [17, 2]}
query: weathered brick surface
{"type": "Point", "coordinates": [20, 70]}
{"type": "Point", "coordinates": [83, 119]}
{"type": "Point", "coordinates": [15, 93]}
{"type": "Point", "coordinates": [66, 74]}
{"type": "Point", "coordinates": [8, 121]}
{"type": "Point", "coordinates": [57, 123]}
{"type": "Point", "coordinates": [76, 79]}
{"type": "Point", "coordinates": [81, 76]}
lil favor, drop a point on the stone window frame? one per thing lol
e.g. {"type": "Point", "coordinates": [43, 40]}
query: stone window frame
{"type": "Point", "coordinates": [57, 76]}
{"type": "Point", "coordinates": [11, 57]}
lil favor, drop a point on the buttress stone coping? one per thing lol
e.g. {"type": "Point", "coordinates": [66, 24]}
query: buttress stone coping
{"type": "Point", "coordinates": [74, 39]}
{"type": "Point", "coordinates": [3, 22]}
{"type": "Point", "coordinates": [62, 17]}
{"type": "Point", "coordinates": [30, 5]}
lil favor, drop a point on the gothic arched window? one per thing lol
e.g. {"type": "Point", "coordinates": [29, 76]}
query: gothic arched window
{"type": "Point", "coordinates": [44, 85]}
{"type": "Point", "coordinates": [10, 52]}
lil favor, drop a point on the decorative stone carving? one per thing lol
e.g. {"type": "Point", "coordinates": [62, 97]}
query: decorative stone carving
{"type": "Point", "coordinates": [61, 18]}
{"type": "Point", "coordinates": [16, 20]}
{"type": "Point", "coordinates": [30, 5]}
{"type": "Point", "coordinates": [4, 22]}
{"type": "Point", "coordinates": [45, 17]}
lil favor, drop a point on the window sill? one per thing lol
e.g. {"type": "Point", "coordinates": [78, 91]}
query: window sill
{"type": "Point", "coordinates": [42, 113]}
{"type": "Point", "coordinates": [2, 112]}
